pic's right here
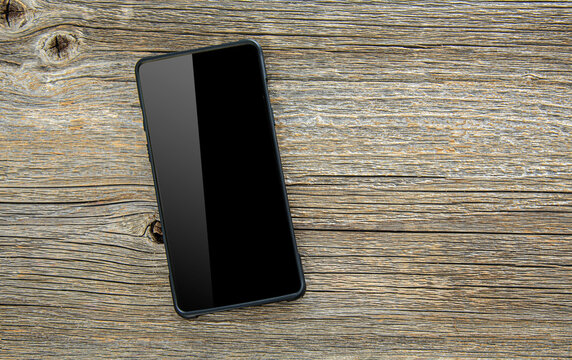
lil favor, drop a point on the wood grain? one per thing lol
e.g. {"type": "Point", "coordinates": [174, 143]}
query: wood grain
{"type": "Point", "coordinates": [427, 154]}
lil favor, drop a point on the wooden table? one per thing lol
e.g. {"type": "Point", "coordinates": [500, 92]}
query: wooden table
{"type": "Point", "coordinates": [427, 153]}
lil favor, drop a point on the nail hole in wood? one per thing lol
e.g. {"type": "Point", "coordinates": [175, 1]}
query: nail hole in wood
{"type": "Point", "coordinates": [156, 231]}
{"type": "Point", "coordinates": [13, 12]}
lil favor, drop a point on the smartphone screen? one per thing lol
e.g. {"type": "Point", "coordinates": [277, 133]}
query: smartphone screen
{"type": "Point", "coordinates": [218, 178]}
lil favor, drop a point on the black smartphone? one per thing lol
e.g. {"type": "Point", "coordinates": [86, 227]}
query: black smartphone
{"type": "Point", "coordinates": [218, 179]}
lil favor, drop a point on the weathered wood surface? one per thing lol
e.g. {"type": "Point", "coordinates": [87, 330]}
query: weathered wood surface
{"type": "Point", "coordinates": [427, 152]}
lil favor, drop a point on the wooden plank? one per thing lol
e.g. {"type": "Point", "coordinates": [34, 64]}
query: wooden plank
{"type": "Point", "coordinates": [427, 155]}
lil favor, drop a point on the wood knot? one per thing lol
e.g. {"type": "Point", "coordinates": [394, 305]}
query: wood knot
{"type": "Point", "coordinates": [13, 13]}
{"type": "Point", "coordinates": [156, 231]}
{"type": "Point", "coordinates": [60, 47]}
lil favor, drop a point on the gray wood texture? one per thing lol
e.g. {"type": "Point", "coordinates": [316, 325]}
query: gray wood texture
{"type": "Point", "coordinates": [427, 153]}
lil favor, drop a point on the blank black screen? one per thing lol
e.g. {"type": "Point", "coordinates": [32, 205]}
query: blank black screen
{"type": "Point", "coordinates": [217, 172]}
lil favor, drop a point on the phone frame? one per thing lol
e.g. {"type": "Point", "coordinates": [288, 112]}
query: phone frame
{"type": "Point", "coordinates": [288, 297]}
